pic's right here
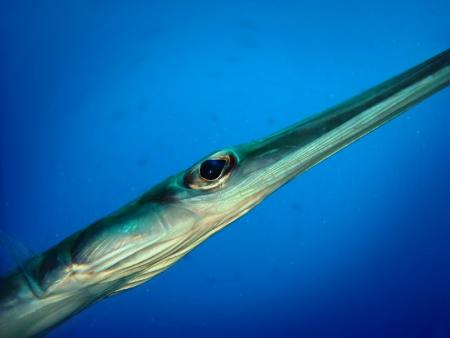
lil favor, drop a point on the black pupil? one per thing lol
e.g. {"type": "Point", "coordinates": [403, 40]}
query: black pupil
{"type": "Point", "coordinates": [211, 169]}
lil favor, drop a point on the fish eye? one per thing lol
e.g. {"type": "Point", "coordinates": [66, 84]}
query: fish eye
{"type": "Point", "coordinates": [210, 173]}
{"type": "Point", "coordinates": [212, 169]}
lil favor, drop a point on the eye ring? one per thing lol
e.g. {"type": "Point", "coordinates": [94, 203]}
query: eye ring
{"type": "Point", "coordinates": [211, 173]}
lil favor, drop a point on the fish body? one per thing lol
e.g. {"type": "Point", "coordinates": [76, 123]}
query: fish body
{"type": "Point", "coordinates": [152, 232]}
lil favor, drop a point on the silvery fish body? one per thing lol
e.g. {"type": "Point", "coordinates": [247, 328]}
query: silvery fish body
{"type": "Point", "coordinates": [151, 233]}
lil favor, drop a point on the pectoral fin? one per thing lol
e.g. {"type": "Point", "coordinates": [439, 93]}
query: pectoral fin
{"type": "Point", "coordinates": [24, 259]}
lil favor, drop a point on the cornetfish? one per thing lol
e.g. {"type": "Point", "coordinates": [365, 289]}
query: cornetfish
{"type": "Point", "coordinates": [148, 235]}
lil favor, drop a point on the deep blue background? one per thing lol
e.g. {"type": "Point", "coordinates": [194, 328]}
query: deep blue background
{"type": "Point", "coordinates": [101, 100]}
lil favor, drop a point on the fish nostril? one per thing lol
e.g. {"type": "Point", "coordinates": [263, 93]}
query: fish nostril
{"type": "Point", "coordinates": [212, 169]}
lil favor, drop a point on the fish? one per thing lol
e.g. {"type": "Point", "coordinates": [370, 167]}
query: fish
{"type": "Point", "coordinates": [152, 232]}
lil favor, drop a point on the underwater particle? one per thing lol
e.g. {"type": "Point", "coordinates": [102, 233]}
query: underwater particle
{"type": "Point", "coordinates": [160, 145]}
{"type": "Point", "coordinates": [274, 269]}
{"type": "Point", "coordinates": [215, 75]}
{"type": "Point", "coordinates": [143, 162]}
{"type": "Point", "coordinates": [237, 275]}
{"type": "Point", "coordinates": [138, 59]}
{"type": "Point", "coordinates": [152, 33]}
{"type": "Point", "coordinates": [338, 59]}
{"type": "Point", "coordinates": [214, 117]}
{"type": "Point", "coordinates": [118, 115]}
{"type": "Point", "coordinates": [296, 206]}
{"type": "Point", "coordinates": [248, 25]}
{"type": "Point", "coordinates": [247, 43]}
{"type": "Point", "coordinates": [142, 106]}
{"type": "Point", "coordinates": [232, 59]}
{"type": "Point", "coordinates": [271, 120]}
{"type": "Point", "coordinates": [211, 280]}
{"type": "Point", "coordinates": [295, 232]}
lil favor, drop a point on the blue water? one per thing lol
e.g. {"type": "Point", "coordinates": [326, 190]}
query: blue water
{"type": "Point", "coordinates": [101, 100]}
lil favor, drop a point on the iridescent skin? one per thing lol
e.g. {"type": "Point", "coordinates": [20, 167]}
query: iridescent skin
{"type": "Point", "coordinates": [151, 233]}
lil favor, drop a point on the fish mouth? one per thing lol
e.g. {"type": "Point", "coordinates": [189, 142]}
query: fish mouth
{"type": "Point", "coordinates": [271, 162]}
